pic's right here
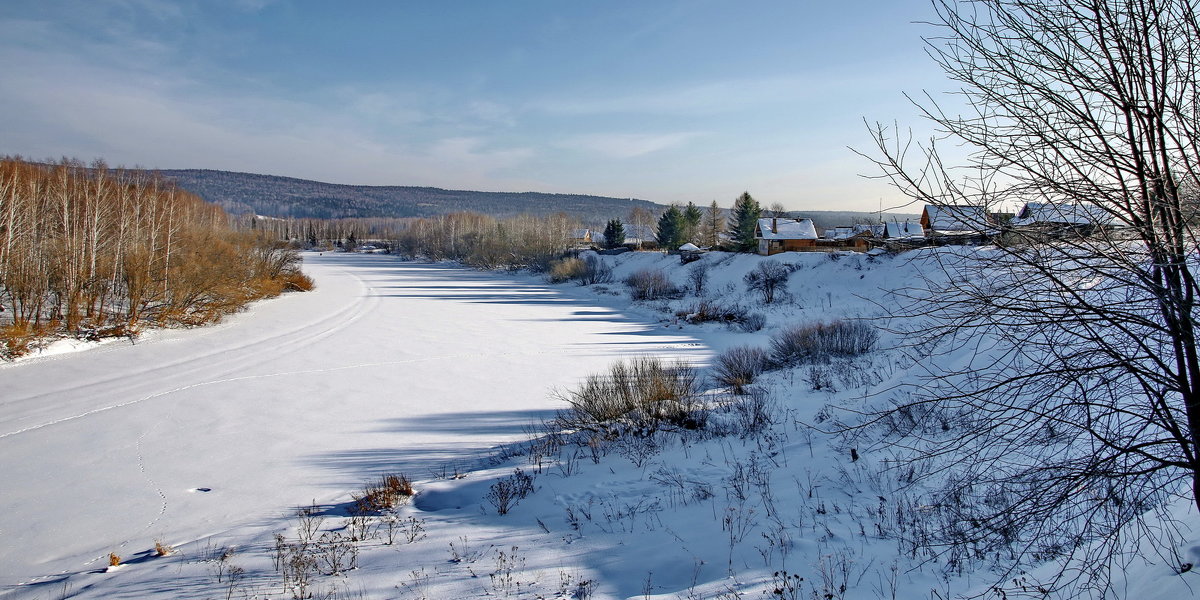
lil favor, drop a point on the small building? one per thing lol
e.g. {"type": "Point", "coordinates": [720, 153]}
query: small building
{"type": "Point", "coordinates": [585, 238]}
{"type": "Point", "coordinates": [1060, 214]}
{"type": "Point", "coordinates": [777, 235]}
{"type": "Point", "coordinates": [955, 220]}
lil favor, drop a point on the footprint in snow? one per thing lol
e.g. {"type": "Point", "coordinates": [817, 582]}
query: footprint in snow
{"type": "Point", "coordinates": [200, 489]}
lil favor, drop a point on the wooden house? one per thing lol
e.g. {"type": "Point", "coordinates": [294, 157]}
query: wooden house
{"type": "Point", "coordinates": [777, 235]}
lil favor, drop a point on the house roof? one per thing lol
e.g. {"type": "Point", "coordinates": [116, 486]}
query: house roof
{"type": "Point", "coordinates": [904, 229]}
{"type": "Point", "coordinates": [581, 234]}
{"type": "Point", "coordinates": [1061, 213]}
{"type": "Point", "coordinates": [786, 229]}
{"type": "Point", "coordinates": [959, 218]}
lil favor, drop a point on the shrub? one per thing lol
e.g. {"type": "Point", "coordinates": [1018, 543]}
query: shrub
{"type": "Point", "coordinates": [767, 278]}
{"type": "Point", "coordinates": [587, 270]}
{"type": "Point", "coordinates": [650, 284]}
{"type": "Point", "coordinates": [295, 281]}
{"type": "Point", "coordinates": [594, 271]}
{"type": "Point", "coordinates": [738, 367]}
{"type": "Point", "coordinates": [506, 492]}
{"type": "Point", "coordinates": [644, 391]}
{"type": "Point", "coordinates": [816, 342]}
{"type": "Point", "coordinates": [707, 311]}
{"type": "Point", "coordinates": [698, 278]}
{"type": "Point", "coordinates": [752, 322]}
{"type": "Point", "coordinates": [566, 269]}
{"type": "Point", "coordinates": [390, 492]}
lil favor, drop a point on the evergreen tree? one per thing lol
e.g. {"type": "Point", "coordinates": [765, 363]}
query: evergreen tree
{"type": "Point", "coordinates": [691, 223]}
{"type": "Point", "coordinates": [671, 229]}
{"type": "Point", "coordinates": [746, 213]}
{"type": "Point", "coordinates": [614, 234]}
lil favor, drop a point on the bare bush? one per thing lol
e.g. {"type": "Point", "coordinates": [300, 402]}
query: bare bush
{"type": "Point", "coordinates": [767, 279]}
{"type": "Point", "coordinates": [650, 284]}
{"type": "Point", "coordinates": [507, 491]}
{"type": "Point", "coordinates": [698, 278]}
{"type": "Point", "coordinates": [738, 367]}
{"type": "Point", "coordinates": [817, 342]}
{"type": "Point", "coordinates": [752, 322]}
{"type": "Point", "coordinates": [642, 391]}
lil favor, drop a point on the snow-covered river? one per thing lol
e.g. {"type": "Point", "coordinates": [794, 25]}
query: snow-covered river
{"type": "Point", "coordinates": [216, 432]}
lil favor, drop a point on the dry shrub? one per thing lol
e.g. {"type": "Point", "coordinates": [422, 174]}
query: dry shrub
{"type": "Point", "coordinates": [643, 391]}
{"type": "Point", "coordinates": [650, 284]}
{"type": "Point", "coordinates": [161, 549]}
{"type": "Point", "coordinates": [295, 281]}
{"type": "Point", "coordinates": [114, 560]}
{"type": "Point", "coordinates": [389, 492]}
{"type": "Point", "coordinates": [738, 367]}
{"type": "Point", "coordinates": [566, 269]}
{"type": "Point", "coordinates": [817, 342]}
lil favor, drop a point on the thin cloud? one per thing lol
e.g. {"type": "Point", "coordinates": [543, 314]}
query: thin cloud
{"type": "Point", "coordinates": [627, 145]}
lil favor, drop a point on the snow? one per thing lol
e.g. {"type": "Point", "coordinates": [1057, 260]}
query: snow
{"type": "Point", "coordinates": [208, 439]}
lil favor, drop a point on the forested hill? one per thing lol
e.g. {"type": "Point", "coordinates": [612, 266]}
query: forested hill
{"type": "Point", "coordinates": [288, 197]}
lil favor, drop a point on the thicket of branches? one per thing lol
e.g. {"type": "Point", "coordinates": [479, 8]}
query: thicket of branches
{"type": "Point", "coordinates": [89, 249]}
{"type": "Point", "coordinates": [488, 243]}
{"type": "Point", "coordinates": [1066, 391]}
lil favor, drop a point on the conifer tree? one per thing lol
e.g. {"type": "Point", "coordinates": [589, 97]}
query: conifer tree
{"type": "Point", "coordinates": [671, 228]}
{"type": "Point", "coordinates": [691, 223]}
{"type": "Point", "coordinates": [614, 234]}
{"type": "Point", "coordinates": [746, 213]}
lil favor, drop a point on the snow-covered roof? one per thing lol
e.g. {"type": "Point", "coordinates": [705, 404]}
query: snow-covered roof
{"type": "Point", "coordinates": [1061, 213]}
{"type": "Point", "coordinates": [956, 218]}
{"type": "Point", "coordinates": [904, 229]}
{"type": "Point", "coordinates": [689, 247]}
{"type": "Point", "coordinates": [785, 229]}
{"type": "Point", "coordinates": [581, 234]}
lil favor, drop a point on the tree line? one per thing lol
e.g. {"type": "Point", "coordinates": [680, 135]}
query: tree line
{"type": "Point", "coordinates": [91, 249]}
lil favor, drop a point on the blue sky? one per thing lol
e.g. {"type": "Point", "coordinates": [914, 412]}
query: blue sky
{"type": "Point", "coordinates": [670, 101]}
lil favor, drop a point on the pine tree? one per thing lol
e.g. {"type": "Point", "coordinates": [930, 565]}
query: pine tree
{"type": "Point", "coordinates": [614, 234]}
{"type": "Point", "coordinates": [691, 223]}
{"type": "Point", "coordinates": [746, 213]}
{"type": "Point", "coordinates": [671, 229]}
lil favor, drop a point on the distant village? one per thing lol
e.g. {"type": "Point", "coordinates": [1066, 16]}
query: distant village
{"type": "Point", "coordinates": [939, 225]}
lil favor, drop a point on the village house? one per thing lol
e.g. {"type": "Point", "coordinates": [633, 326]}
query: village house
{"type": "Point", "coordinates": [1056, 215]}
{"type": "Point", "coordinates": [955, 220]}
{"type": "Point", "coordinates": [777, 235]}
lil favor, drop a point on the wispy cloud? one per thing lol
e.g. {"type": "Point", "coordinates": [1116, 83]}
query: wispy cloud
{"type": "Point", "coordinates": [627, 145]}
{"type": "Point", "coordinates": [690, 99]}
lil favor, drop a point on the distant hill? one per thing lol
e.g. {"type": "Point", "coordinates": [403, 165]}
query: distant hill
{"type": "Point", "coordinates": [274, 196]}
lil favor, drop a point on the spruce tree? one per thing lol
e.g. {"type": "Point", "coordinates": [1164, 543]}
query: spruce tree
{"type": "Point", "coordinates": [691, 223]}
{"type": "Point", "coordinates": [670, 229]}
{"type": "Point", "coordinates": [614, 234]}
{"type": "Point", "coordinates": [746, 213]}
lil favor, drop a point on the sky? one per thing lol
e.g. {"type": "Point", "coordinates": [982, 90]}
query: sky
{"type": "Point", "coordinates": [663, 100]}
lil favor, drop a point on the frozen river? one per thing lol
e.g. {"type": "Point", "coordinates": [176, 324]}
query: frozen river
{"type": "Point", "coordinates": [217, 432]}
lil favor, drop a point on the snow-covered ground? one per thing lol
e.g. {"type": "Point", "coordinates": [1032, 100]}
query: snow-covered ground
{"type": "Point", "coordinates": [208, 440]}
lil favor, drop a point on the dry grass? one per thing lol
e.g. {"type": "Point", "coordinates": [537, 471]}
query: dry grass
{"type": "Point", "coordinates": [114, 560]}
{"type": "Point", "coordinates": [389, 492]}
{"type": "Point", "coordinates": [161, 549]}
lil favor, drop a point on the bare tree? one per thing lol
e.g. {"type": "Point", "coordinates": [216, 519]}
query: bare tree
{"type": "Point", "coordinates": [1067, 385]}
